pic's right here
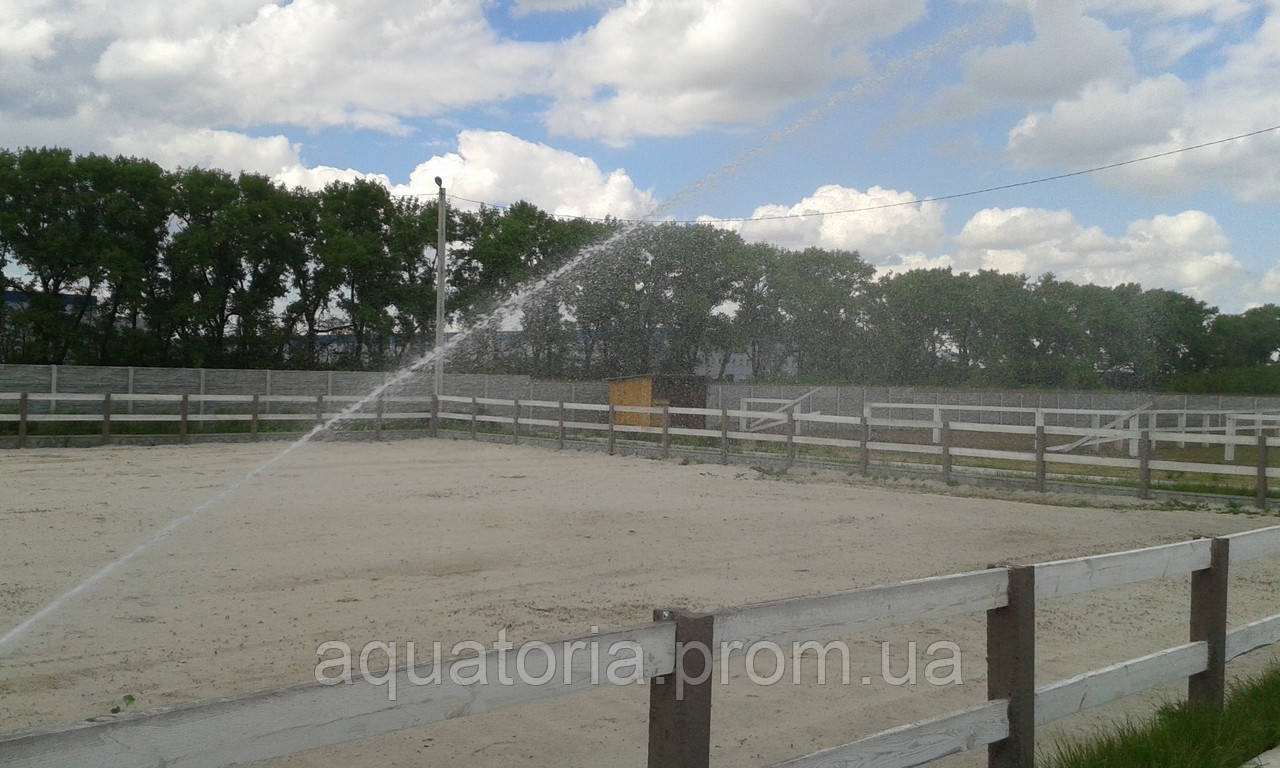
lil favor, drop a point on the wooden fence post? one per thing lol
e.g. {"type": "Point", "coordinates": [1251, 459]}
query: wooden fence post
{"type": "Point", "coordinates": [680, 703]}
{"type": "Point", "coordinates": [724, 435]}
{"type": "Point", "coordinates": [434, 424]}
{"type": "Point", "coordinates": [253, 419]}
{"type": "Point", "coordinates": [1041, 471]}
{"type": "Point", "coordinates": [475, 411]}
{"type": "Point", "coordinates": [1229, 450]}
{"type": "Point", "coordinates": [946, 450]}
{"type": "Point", "coordinates": [24, 410]}
{"type": "Point", "coordinates": [1260, 485]}
{"type": "Point", "coordinates": [515, 423]}
{"type": "Point", "coordinates": [791, 437]}
{"type": "Point", "coordinates": [184, 412]}
{"type": "Point", "coordinates": [666, 431]}
{"type": "Point", "coordinates": [1011, 669]}
{"type": "Point", "coordinates": [865, 457]}
{"type": "Point", "coordinates": [381, 408]}
{"type": "Point", "coordinates": [1209, 624]}
{"type": "Point", "coordinates": [560, 427]}
{"type": "Point", "coordinates": [612, 419]}
{"type": "Point", "coordinates": [106, 419]}
{"type": "Point", "coordinates": [319, 409]}
{"type": "Point", "coordinates": [1144, 465]}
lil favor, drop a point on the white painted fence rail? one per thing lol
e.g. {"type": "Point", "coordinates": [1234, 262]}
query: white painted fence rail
{"type": "Point", "coordinates": [894, 439]}
{"type": "Point", "coordinates": [257, 726]}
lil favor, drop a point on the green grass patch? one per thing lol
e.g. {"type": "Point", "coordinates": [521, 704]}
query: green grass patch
{"type": "Point", "coordinates": [1183, 736]}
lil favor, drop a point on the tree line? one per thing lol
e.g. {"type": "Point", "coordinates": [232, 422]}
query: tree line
{"type": "Point", "coordinates": [118, 261]}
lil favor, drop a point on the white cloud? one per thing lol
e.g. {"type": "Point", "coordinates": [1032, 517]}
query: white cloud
{"type": "Point", "coordinates": [1270, 284]}
{"type": "Point", "coordinates": [318, 177]}
{"type": "Point", "coordinates": [175, 147]}
{"type": "Point", "coordinates": [668, 68]}
{"type": "Point", "coordinates": [24, 41]}
{"type": "Point", "coordinates": [877, 234]}
{"type": "Point", "coordinates": [496, 167]}
{"type": "Point", "coordinates": [527, 7]}
{"type": "Point", "coordinates": [1069, 51]}
{"type": "Point", "coordinates": [1139, 117]}
{"type": "Point", "coordinates": [319, 63]}
{"type": "Point", "coordinates": [1110, 123]}
{"type": "Point", "coordinates": [1218, 10]}
{"type": "Point", "coordinates": [1171, 43]}
{"type": "Point", "coordinates": [1185, 252]}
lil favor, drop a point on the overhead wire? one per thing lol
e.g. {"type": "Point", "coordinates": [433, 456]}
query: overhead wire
{"type": "Point", "coordinates": [902, 203]}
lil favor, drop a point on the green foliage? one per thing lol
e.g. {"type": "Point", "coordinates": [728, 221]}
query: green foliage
{"type": "Point", "coordinates": [118, 262]}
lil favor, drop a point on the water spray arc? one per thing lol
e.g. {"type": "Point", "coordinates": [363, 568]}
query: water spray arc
{"type": "Point", "coordinates": [506, 310]}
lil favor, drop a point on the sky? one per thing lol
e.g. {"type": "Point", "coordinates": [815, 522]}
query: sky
{"type": "Point", "coordinates": [718, 111]}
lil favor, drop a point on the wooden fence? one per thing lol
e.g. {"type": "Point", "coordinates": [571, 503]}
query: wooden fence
{"type": "Point", "coordinates": [938, 435]}
{"type": "Point", "coordinates": [257, 726]}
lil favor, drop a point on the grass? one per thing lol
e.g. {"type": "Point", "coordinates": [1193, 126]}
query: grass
{"type": "Point", "coordinates": [1184, 736]}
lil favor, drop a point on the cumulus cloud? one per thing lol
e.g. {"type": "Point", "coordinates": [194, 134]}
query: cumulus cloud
{"type": "Point", "coordinates": [1111, 122]}
{"type": "Point", "coordinates": [318, 63]}
{"type": "Point", "coordinates": [1184, 252]}
{"type": "Point", "coordinates": [1082, 49]}
{"type": "Point", "coordinates": [176, 148]}
{"type": "Point", "coordinates": [317, 177]}
{"type": "Point", "coordinates": [1219, 10]}
{"type": "Point", "coordinates": [646, 68]}
{"type": "Point", "coordinates": [886, 224]}
{"type": "Point", "coordinates": [526, 7]}
{"type": "Point", "coordinates": [496, 167]}
{"type": "Point", "coordinates": [668, 68]}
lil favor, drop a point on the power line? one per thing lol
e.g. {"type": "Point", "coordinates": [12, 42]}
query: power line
{"type": "Point", "coordinates": [935, 199]}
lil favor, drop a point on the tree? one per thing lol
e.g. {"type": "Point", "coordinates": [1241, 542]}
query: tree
{"type": "Point", "coordinates": [47, 224]}
{"type": "Point", "coordinates": [355, 221]}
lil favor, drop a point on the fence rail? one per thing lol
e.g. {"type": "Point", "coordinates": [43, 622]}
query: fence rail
{"type": "Point", "coordinates": [936, 439]}
{"type": "Point", "coordinates": [284, 721]}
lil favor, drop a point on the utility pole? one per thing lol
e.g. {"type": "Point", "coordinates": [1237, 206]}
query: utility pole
{"type": "Point", "coordinates": [442, 211]}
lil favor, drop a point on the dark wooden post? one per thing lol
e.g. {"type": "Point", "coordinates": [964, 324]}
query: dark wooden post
{"type": "Point", "coordinates": [1260, 485]}
{"type": "Point", "coordinates": [946, 450]}
{"type": "Point", "coordinates": [184, 413]}
{"type": "Point", "coordinates": [791, 437]}
{"type": "Point", "coordinates": [381, 408]}
{"type": "Point", "coordinates": [680, 703]}
{"type": "Point", "coordinates": [24, 410]}
{"type": "Point", "coordinates": [1011, 669]}
{"type": "Point", "coordinates": [1144, 465]}
{"type": "Point", "coordinates": [1040, 463]}
{"type": "Point", "coordinates": [1209, 624]}
{"type": "Point", "coordinates": [864, 458]}
{"type": "Point", "coordinates": [319, 409]}
{"type": "Point", "coordinates": [724, 435]}
{"type": "Point", "coordinates": [475, 411]}
{"type": "Point", "coordinates": [515, 423]}
{"type": "Point", "coordinates": [666, 431]}
{"type": "Point", "coordinates": [106, 419]}
{"type": "Point", "coordinates": [253, 419]}
{"type": "Point", "coordinates": [612, 419]}
{"type": "Point", "coordinates": [434, 424]}
{"type": "Point", "coordinates": [560, 427]}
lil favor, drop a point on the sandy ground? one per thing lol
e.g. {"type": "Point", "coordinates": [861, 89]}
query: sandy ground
{"type": "Point", "coordinates": [434, 540]}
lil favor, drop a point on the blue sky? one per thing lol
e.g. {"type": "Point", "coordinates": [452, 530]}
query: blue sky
{"type": "Point", "coordinates": [612, 106]}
